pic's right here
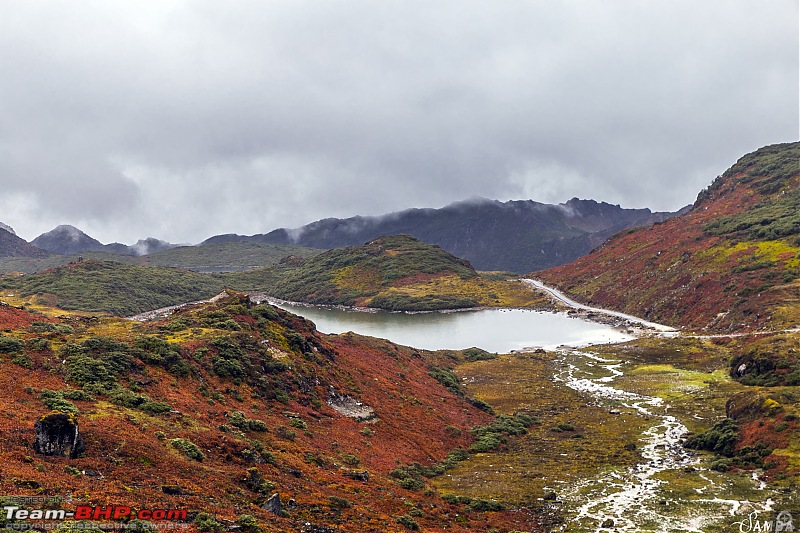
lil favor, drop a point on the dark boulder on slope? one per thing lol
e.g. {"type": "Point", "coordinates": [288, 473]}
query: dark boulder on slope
{"type": "Point", "coordinates": [57, 434]}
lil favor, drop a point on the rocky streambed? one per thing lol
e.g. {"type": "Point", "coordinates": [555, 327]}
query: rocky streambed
{"type": "Point", "coordinates": [669, 489]}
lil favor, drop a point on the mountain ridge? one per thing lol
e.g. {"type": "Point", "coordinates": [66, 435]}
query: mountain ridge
{"type": "Point", "coordinates": [517, 235]}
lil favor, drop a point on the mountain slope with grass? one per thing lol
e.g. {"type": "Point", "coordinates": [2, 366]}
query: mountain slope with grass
{"type": "Point", "coordinates": [730, 264]}
{"type": "Point", "coordinates": [226, 409]}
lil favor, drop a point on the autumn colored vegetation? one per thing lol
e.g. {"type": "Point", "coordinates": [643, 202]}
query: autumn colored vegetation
{"type": "Point", "coordinates": [730, 264]}
{"type": "Point", "coordinates": [220, 406]}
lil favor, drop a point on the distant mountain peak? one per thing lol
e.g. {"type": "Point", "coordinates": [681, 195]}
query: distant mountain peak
{"type": "Point", "coordinates": [150, 245]}
{"type": "Point", "coordinates": [67, 240]}
{"type": "Point", "coordinates": [8, 228]}
{"type": "Point", "coordinates": [70, 231]}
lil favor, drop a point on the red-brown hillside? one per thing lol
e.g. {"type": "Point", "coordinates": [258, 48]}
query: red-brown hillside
{"type": "Point", "coordinates": [254, 389]}
{"type": "Point", "coordinates": [731, 263]}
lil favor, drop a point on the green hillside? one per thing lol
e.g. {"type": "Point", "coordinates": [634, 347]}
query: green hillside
{"type": "Point", "coordinates": [364, 275]}
{"type": "Point", "coordinates": [109, 286]}
{"type": "Point", "coordinates": [397, 273]}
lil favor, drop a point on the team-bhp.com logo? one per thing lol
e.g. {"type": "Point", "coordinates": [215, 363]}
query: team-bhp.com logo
{"type": "Point", "coordinates": [94, 512]}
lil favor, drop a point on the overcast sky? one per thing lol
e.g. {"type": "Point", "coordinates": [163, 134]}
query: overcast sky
{"type": "Point", "coordinates": [181, 120]}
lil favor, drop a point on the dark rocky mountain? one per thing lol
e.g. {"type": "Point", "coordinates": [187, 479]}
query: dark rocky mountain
{"type": "Point", "coordinates": [13, 246]}
{"type": "Point", "coordinates": [67, 240]}
{"type": "Point", "coordinates": [517, 236]}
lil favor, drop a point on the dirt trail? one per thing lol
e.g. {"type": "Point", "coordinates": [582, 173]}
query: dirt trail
{"type": "Point", "coordinates": [536, 284]}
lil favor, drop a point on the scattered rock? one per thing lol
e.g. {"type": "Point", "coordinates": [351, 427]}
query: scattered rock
{"type": "Point", "coordinates": [57, 434]}
{"type": "Point", "coordinates": [349, 406]}
{"type": "Point", "coordinates": [358, 475]}
{"type": "Point", "coordinates": [607, 523]}
{"type": "Point", "coordinates": [312, 528]}
{"type": "Point", "coordinates": [172, 490]}
{"type": "Point", "coordinates": [291, 505]}
{"type": "Point", "coordinates": [550, 496]}
{"type": "Point", "coordinates": [273, 504]}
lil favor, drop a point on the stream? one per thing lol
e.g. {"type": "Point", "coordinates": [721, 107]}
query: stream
{"type": "Point", "coordinates": [634, 499]}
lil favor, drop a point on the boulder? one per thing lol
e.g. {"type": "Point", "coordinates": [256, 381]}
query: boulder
{"type": "Point", "coordinates": [57, 434]}
{"type": "Point", "coordinates": [273, 504]}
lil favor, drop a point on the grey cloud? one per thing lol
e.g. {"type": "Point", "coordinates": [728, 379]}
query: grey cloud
{"type": "Point", "coordinates": [182, 120]}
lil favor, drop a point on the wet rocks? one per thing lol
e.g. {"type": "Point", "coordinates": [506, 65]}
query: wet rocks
{"type": "Point", "coordinates": [57, 434]}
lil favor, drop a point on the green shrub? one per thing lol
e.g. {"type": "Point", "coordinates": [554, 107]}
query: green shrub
{"type": "Point", "coordinates": [477, 354]}
{"type": "Point", "coordinates": [408, 522]}
{"type": "Point", "coordinates": [237, 419]}
{"type": "Point", "coordinates": [491, 436]}
{"type": "Point", "coordinates": [721, 438]}
{"type": "Point", "coordinates": [409, 477]}
{"type": "Point", "coordinates": [55, 401]}
{"type": "Point", "coordinates": [486, 443]}
{"type": "Point", "coordinates": [76, 394]}
{"type": "Point", "coordinates": [207, 523]}
{"type": "Point", "coordinates": [42, 327]}
{"type": "Point", "coordinates": [448, 379]}
{"type": "Point", "coordinates": [350, 459]}
{"type": "Point", "coordinates": [10, 345]}
{"type": "Point", "coordinates": [23, 360]}
{"type": "Point", "coordinates": [189, 448]}
{"type": "Point", "coordinates": [285, 433]}
{"type": "Point", "coordinates": [340, 503]}
{"type": "Point", "coordinates": [297, 423]}
{"type": "Point", "coordinates": [247, 522]}
{"type": "Point", "coordinates": [39, 345]}
{"type": "Point", "coordinates": [157, 351]}
{"type": "Point", "coordinates": [155, 407]}
{"type": "Point", "coordinates": [480, 404]}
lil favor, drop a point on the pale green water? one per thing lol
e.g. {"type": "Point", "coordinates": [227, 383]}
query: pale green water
{"type": "Point", "coordinates": [495, 330]}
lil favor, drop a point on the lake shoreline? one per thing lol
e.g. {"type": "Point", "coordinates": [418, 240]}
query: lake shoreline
{"type": "Point", "coordinates": [621, 325]}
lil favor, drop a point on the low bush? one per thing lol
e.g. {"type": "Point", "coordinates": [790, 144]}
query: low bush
{"type": "Point", "coordinates": [189, 448]}
{"type": "Point", "coordinates": [721, 438]}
